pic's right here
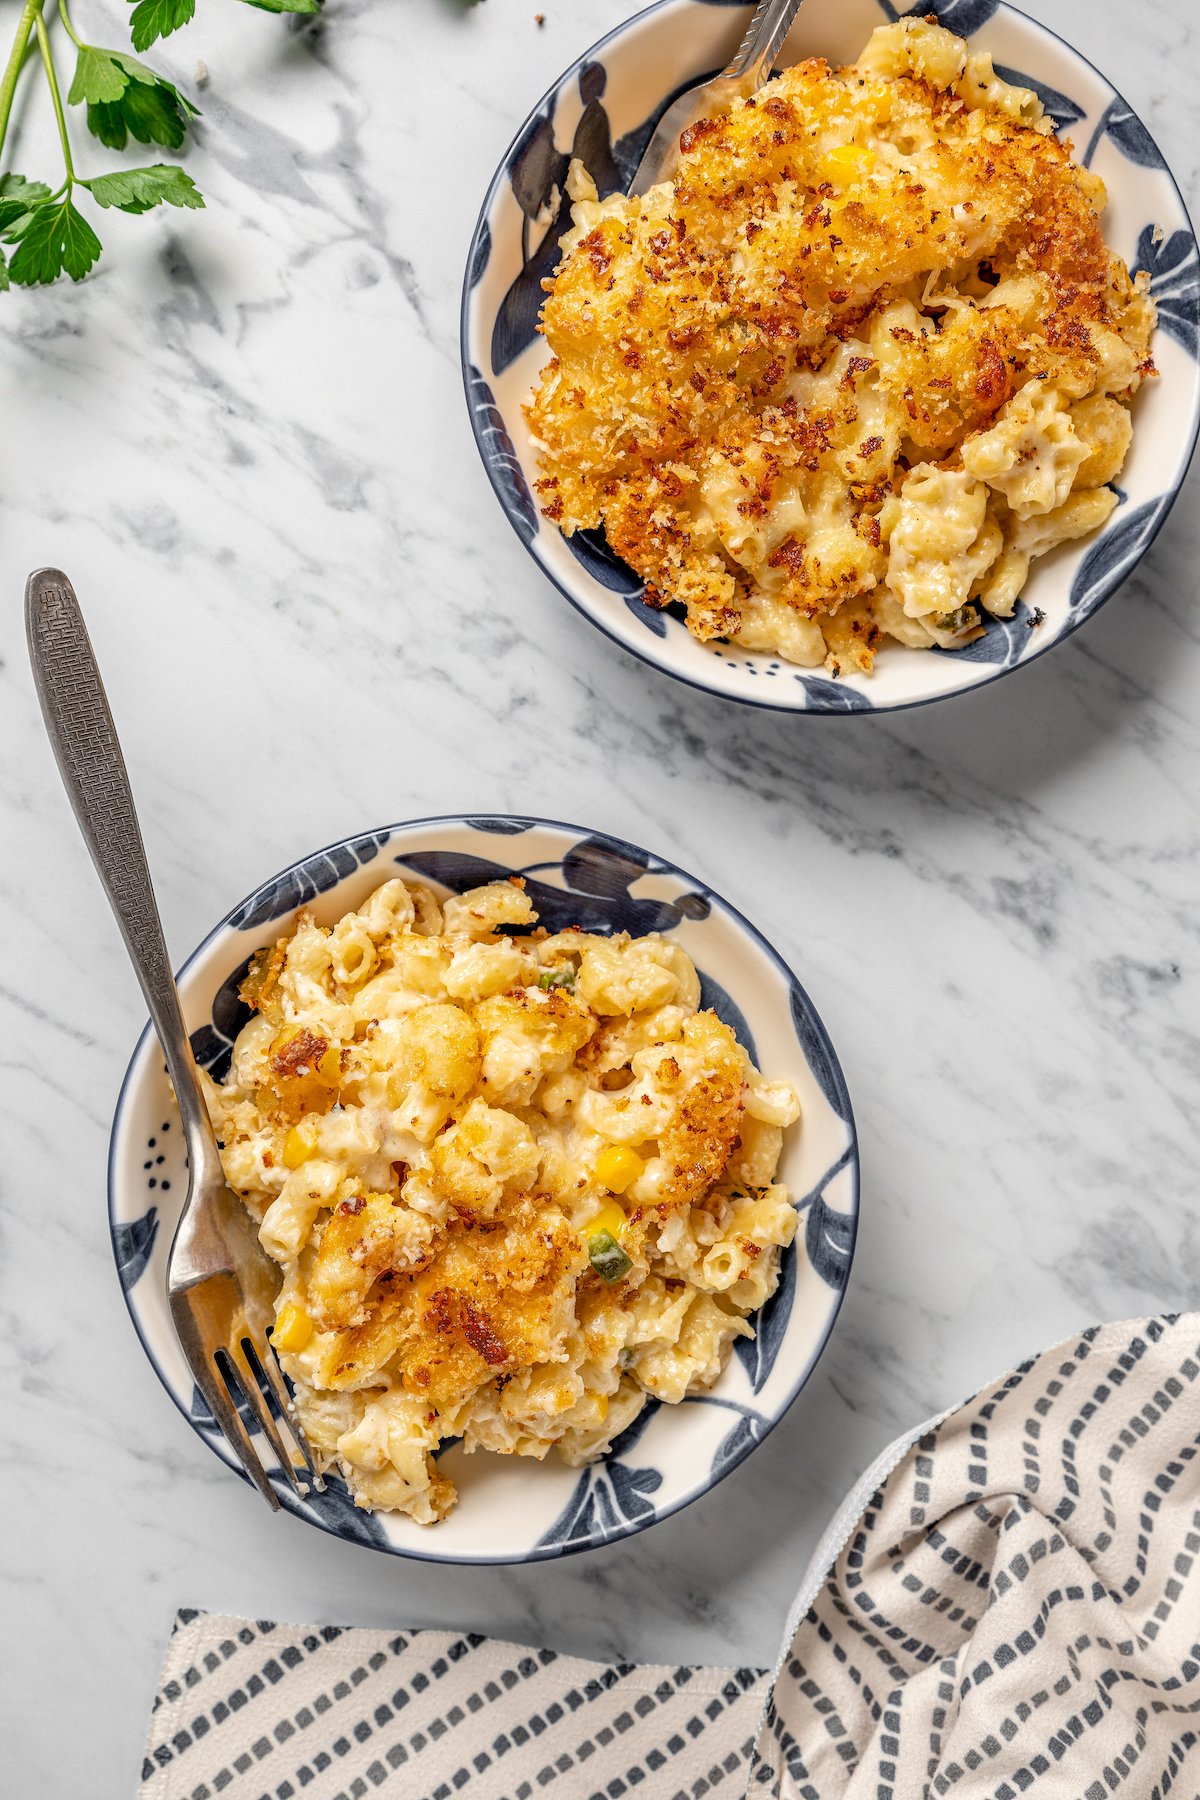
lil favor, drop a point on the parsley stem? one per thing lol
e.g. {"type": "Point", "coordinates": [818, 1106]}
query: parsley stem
{"type": "Point", "coordinates": [43, 38]}
{"type": "Point", "coordinates": [65, 16]}
{"type": "Point", "coordinates": [16, 62]}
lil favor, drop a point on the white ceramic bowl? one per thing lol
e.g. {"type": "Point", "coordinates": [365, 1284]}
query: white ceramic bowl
{"type": "Point", "coordinates": [513, 1510]}
{"type": "Point", "coordinates": [604, 108]}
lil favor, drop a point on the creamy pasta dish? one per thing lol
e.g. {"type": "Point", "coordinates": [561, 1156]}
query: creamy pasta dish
{"type": "Point", "coordinates": [854, 368]}
{"type": "Point", "coordinates": [516, 1183]}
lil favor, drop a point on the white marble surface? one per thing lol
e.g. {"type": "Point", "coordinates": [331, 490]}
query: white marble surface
{"type": "Point", "coordinates": [246, 441]}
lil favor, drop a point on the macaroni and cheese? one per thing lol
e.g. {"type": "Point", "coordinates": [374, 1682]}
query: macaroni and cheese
{"type": "Point", "coordinates": [861, 361]}
{"type": "Point", "coordinates": [516, 1183]}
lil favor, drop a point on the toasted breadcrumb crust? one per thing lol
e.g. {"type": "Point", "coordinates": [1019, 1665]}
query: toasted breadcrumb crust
{"type": "Point", "coordinates": [853, 275]}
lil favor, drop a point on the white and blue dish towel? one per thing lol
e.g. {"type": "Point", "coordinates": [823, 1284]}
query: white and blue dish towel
{"type": "Point", "coordinates": [1008, 1604]}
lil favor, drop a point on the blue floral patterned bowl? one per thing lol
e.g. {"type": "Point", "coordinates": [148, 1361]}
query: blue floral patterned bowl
{"type": "Point", "coordinates": [604, 108]}
{"type": "Point", "coordinates": [512, 1510]}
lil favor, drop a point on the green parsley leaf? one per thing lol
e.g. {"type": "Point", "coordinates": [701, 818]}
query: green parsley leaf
{"type": "Point", "coordinates": [99, 75]}
{"type": "Point", "coordinates": [125, 98]}
{"type": "Point", "coordinates": [154, 19]}
{"type": "Point", "coordinates": [137, 190]}
{"type": "Point", "coordinates": [3, 274]}
{"type": "Point", "coordinates": [17, 199]}
{"type": "Point", "coordinates": [55, 237]}
{"type": "Point", "coordinates": [107, 122]}
{"type": "Point", "coordinates": [287, 6]}
{"type": "Point", "coordinates": [15, 187]}
{"type": "Point", "coordinates": [153, 115]}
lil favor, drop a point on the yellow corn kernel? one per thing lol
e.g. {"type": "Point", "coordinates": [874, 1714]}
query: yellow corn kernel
{"type": "Point", "coordinates": [300, 1143]}
{"type": "Point", "coordinates": [618, 1167]}
{"type": "Point", "coordinates": [330, 1066]}
{"type": "Point", "coordinates": [610, 1218]}
{"type": "Point", "coordinates": [602, 1405]}
{"type": "Point", "coordinates": [847, 162]}
{"type": "Point", "coordinates": [292, 1329]}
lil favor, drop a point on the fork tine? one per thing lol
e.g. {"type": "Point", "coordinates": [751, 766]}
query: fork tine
{"type": "Point", "coordinates": [256, 1400]}
{"type": "Point", "coordinates": [212, 1386]}
{"type": "Point", "coordinates": [274, 1375]}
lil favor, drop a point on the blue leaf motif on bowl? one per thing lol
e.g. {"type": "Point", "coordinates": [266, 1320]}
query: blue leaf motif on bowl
{"type": "Point", "coordinates": [828, 1234]}
{"type": "Point", "coordinates": [1112, 556]}
{"type": "Point", "coordinates": [757, 1354]}
{"type": "Point", "coordinates": [1173, 265]}
{"type": "Point", "coordinates": [1059, 107]}
{"type": "Point", "coordinates": [1004, 641]}
{"type": "Point", "coordinates": [537, 174]}
{"type": "Point", "coordinates": [503, 827]}
{"type": "Point", "coordinates": [537, 171]}
{"type": "Point", "coordinates": [212, 1044]}
{"type": "Point", "coordinates": [834, 696]}
{"type": "Point", "coordinates": [211, 1051]}
{"type": "Point", "coordinates": [654, 618]}
{"type": "Point", "coordinates": [608, 1494]}
{"type": "Point", "coordinates": [481, 255]}
{"type": "Point", "coordinates": [629, 150]}
{"type": "Point", "coordinates": [649, 616]}
{"type": "Point", "coordinates": [134, 1245]}
{"type": "Point", "coordinates": [295, 887]}
{"type": "Point", "coordinates": [599, 875]}
{"type": "Point", "coordinates": [963, 17]}
{"type": "Point", "coordinates": [714, 997]}
{"type": "Point", "coordinates": [608, 868]}
{"type": "Point", "coordinates": [818, 1053]}
{"type": "Point", "coordinates": [500, 456]}
{"type": "Point", "coordinates": [1120, 123]}
{"type": "Point", "coordinates": [750, 1429]}
{"type": "Point", "coordinates": [336, 1512]}
{"type": "Point", "coordinates": [590, 550]}
{"type": "Point", "coordinates": [334, 1509]}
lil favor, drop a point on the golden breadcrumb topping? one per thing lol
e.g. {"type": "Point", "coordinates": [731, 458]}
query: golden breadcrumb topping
{"type": "Point", "coordinates": [853, 368]}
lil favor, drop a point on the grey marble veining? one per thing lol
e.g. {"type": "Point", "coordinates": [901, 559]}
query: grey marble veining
{"type": "Point", "coordinates": [245, 439]}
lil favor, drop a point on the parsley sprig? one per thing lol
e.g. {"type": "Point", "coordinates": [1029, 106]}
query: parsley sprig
{"type": "Point", "coordinates": [43, 234]}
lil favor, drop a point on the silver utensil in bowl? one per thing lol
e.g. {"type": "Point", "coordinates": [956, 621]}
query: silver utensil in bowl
{"type": "Point", "coordinates": [750, 68]}
{"type": "Point", "coordinates": [220, 1281]}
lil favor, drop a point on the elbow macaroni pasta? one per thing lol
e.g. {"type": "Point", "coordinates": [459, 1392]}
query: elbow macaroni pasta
{"type": "Point", "coordinates": [435, 1111]}
{"type": "Point", "coordinates": [816, 388]}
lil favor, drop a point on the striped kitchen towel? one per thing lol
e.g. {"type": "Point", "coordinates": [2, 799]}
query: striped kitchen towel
{"type": "Point", "coordinates": [258, 1711]}
{"type": "Point", "coordinates": [1007, 1605]}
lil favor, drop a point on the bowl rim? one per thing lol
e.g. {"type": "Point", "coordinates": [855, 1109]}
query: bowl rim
{"type": "Point", "coordinates": [1109, 585]}
{"type": "Point", "coordinates": [852, 1163]}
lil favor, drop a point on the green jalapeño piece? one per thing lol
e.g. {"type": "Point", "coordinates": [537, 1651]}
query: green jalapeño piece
{"type": "Point", "coordinates": [562, 977]}
{"type": "Point", "coordinates": [607, 1257]}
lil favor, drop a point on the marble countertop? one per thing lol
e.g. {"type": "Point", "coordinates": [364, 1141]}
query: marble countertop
{"type": "Point", "coordinates": [246, 441]}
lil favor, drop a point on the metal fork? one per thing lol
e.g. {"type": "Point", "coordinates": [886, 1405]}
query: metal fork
{"type": "Point", "coordinates": [220, 1281]}
{"type": "Point", "coordinates": [751, 66]}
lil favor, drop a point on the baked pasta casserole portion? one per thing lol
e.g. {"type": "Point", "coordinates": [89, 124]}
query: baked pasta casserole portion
{"type": "Point", "coordinates": [863, 360]}
{"type": "Point", "coordinates": [516, 1183]}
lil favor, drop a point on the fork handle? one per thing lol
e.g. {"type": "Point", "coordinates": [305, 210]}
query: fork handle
{"type": "Point", "coordinates": [763, 41]}
{"type": "Point", "coordinates": [88, 752]}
